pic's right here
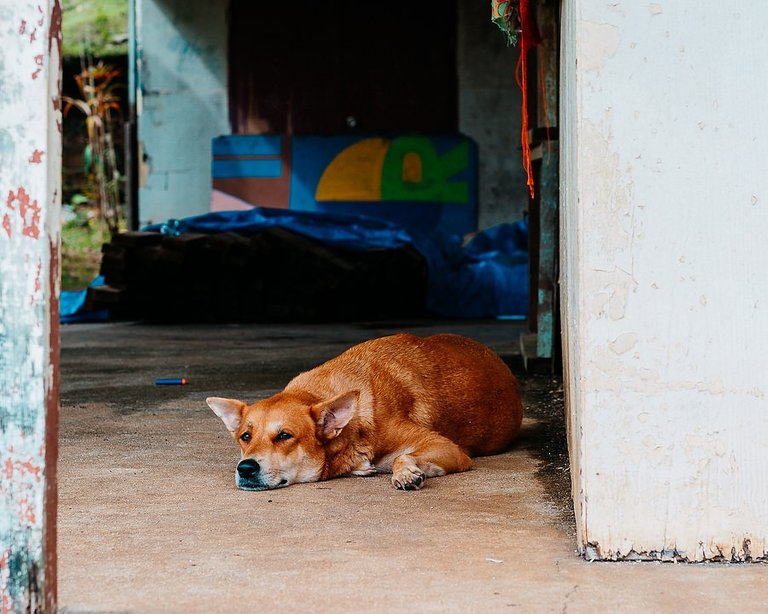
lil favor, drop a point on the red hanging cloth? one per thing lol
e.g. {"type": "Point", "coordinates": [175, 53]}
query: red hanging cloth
{"type": "Point", "coordinates": [529, 38]}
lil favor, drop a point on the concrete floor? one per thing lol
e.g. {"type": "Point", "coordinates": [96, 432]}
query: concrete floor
{"type": "Point", "coordinates": [150, 520]}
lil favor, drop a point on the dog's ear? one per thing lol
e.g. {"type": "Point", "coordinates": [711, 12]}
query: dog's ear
{"type": "Point", "coordinates": [333, 415]}
{"type": "Point", "coordinates": [229, 410]}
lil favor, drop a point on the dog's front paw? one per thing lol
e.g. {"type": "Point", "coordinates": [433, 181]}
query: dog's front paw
{"type": "Point", "coordinates": [409, 477]}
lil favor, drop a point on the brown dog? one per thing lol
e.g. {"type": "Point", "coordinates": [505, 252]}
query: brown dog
{"type": "Point", "coordinates": [418, 406]}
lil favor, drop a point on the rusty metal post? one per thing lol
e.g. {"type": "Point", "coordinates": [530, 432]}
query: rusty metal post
{"type": "Point", "coordinates": [30, 199]}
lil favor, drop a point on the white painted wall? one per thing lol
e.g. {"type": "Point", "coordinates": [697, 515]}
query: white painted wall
{"type": "Point", "coordinates": [182, 103]}
{"type": "Point", "coordinates": [664, 249]}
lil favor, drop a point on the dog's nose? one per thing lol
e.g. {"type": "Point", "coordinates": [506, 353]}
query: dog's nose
{"type": "Point", "coordinates": [246, 468]}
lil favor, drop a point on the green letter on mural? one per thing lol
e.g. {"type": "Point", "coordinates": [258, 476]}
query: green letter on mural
{"type": "Point", "coordinates": [402, 180]}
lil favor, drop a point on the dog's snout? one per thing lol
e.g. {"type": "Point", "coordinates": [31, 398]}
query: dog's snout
{"type": "Point", "coordinates": [247, 468]}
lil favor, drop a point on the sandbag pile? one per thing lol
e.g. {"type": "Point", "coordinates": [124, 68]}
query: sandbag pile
{"type": "Point", "coordinates": [269, 275]}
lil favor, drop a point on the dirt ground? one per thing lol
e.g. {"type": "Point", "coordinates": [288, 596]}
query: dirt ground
{"type": "Point", "coordinates": [150, 519]}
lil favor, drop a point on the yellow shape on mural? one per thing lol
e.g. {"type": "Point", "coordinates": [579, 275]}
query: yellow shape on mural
{"type": "Point", "coordinates": [355, 173]}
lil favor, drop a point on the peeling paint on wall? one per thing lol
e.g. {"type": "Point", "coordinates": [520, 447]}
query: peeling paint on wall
{"type": "Point", "coordinates": [28, 212]}
{"type": "Point", "coordinates": [712, 552]}
{"type": "Point", "coordinates": [597, 44]}
{"type": "Point", "coordinates": [623, 343]}
{"type": "Point", "coordinates": [608, 293]}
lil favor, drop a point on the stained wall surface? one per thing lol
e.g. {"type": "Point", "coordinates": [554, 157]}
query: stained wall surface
{"type": "Point", "coordinates": [181, 104]}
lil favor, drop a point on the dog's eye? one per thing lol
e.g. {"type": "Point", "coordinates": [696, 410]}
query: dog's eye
{"type": "Point", "coordinates": [282, 436]}
{"type": "Point", "coordinates": [246, 436]}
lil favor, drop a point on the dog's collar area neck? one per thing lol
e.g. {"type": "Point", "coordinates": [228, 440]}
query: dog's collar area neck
{"type": "Point", "coordinates": [342, 457]}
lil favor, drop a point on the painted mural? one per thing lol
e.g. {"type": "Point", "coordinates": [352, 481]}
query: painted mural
{"type": "Point", "coordinates": [426, 182]}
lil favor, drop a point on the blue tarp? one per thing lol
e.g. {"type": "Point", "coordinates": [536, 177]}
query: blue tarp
{"type": "Point", "coordinates": [356, 233]}
{"type": "Point", "coordinates": [72, 306]}
{"type": "Point", "coordinates": [486, 278]}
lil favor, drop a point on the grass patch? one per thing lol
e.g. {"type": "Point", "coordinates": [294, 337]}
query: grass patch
{"type": "Point", "coordinates": [81, 253]}
{"type": "Point", "coordinates": [98, 27]}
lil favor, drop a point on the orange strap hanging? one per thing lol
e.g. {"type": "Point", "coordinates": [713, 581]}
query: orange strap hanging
{"type": "Point", "coordinates": [529, 38]}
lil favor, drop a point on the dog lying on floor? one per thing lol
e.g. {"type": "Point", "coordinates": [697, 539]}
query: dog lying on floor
{"type": "Point", "coordinates": [416, 406]}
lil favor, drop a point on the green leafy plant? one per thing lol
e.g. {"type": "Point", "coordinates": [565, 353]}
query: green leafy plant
{"type": "Point", "coordinates": [100, 104]}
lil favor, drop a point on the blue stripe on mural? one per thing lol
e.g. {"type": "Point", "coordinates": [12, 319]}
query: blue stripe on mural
{"type": "Point", "coordinates": [231, 169]}
{"type": "Point", "coordinates": [248, 145]}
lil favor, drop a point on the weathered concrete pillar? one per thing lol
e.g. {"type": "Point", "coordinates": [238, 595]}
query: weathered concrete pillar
{"type": "Point", "coordinates": [30, 193]}
{"type": "Point", "coordinates": [664, 225]}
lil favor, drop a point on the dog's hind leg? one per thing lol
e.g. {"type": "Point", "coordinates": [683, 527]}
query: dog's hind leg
{"type": "Point", "coordinates": [431, 456]}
